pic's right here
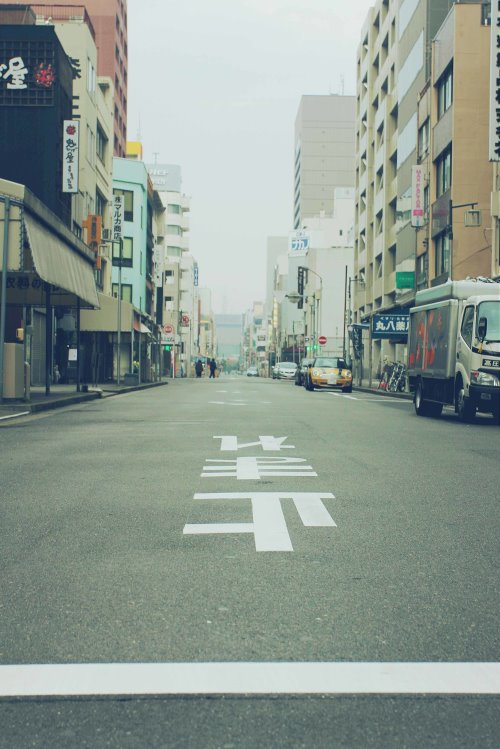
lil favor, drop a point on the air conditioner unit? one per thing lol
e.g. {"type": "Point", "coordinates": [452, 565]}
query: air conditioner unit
{"type": "Point", "coordinates": [106, 233]}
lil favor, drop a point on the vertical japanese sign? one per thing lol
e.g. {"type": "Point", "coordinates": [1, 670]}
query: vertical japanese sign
{"type": "Point", "coordinates": [159, 263]}
{"type": "Point", "coordinates": [71, 149]}
{"type": "Point", "coordinates": [495, 82]}
{"type": "Point", "coordinates": [195, 273]}
{"type": "Point", "coordinates": [417, 196]}
{"type": "Point", "coordinates": [117, 225]}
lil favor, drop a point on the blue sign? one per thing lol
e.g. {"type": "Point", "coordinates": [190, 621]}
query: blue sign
{"type": "Point", "coordinates": [390, 326]}
{"type": "Point", "coordinates": [300, 244]}
{"type": "Point", "coordinates": [195, 272]}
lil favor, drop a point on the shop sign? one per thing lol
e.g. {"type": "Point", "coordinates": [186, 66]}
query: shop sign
{"type": "Point", "coordinates": [405, 279]}
{"type": "Point", "coordinates": [71, 149]}
{"type": "Point", "coordinates": [390, 326]}
{"type": "Point", "coordinates": [417, 196]}
{"type": "Point", "coordinates": [117, 226]}
{"type": "Point", "coordinates": [298, 242]}
{"type": "Point", "coordinates": [25, 79]}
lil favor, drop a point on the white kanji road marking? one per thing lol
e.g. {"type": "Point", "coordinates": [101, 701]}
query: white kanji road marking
{"type": "Point", "coordinates": [244, 468]}
{"type": "Point", "coordinates": [269, 525]}
{"type": "Point", "coordinates": [229, 443]}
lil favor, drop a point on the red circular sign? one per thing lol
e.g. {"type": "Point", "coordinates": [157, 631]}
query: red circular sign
{"type": "Point", "coordinates": [168, 328]}
{"type": "Point", "coordinates": [322, 339]}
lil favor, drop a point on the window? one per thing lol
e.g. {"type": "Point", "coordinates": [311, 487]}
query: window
{"type": "Point", "coordinates": [174, 251]}
{"type": "Point", "coordinates": [445, 92]}
{"type": "Point", "coordinates": [91, 145]}
{"type": "Point", "coordinates": [127, 255]}
{"type": "Point", "coordinates": [173, 229]}
{"type": "Point", "coordinates": [101, 143]}
{"type": "Point", "coordinates": [126, 292]}
{"type": "Point", "coordinates": [423, 138]}
{"type": "Point", "coordinates": [100, 203]}
{"type": "Point", "coordinates": [443, 172]}
{"type": "Point", "coordinates": [468, 325]}
{"type": "Point", "coordinates": [128, 203]}
{"type": "Point", "coordinates": [442, 253]}
{"type": "Point", "coordinates": [91, 77]}
{"type": "Point", "coordinates": [173, 208]}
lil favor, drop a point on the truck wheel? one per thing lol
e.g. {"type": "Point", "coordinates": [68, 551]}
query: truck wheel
{"type": "Point", "coordinates": [464, 406]}
{"type": "Point", "coordinates": [421, 406]}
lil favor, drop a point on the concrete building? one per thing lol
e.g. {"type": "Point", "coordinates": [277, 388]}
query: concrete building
{"type": "Point", "coordinates": [229, 333]}
{"type": "Point", "coordinates": [324, 154]}
{"type": "Point", "coordinates": [109, 19]}
{"type": "Point", "coordinates": [460, 171]}
{"type": "Point", "coordinates": [393, 66]}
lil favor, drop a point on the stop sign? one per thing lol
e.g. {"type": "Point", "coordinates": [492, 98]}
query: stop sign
{"type": "Point", "coordinates": [322, 339]}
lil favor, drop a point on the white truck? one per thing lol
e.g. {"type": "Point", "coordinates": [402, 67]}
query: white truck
{"type": "Point", "coordinates": [454, 349]}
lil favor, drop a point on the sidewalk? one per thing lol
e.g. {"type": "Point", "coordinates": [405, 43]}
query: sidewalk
{"type": "Point", "coordinates": [365, 388]}
{"type": "Point", "coordinates": [67, 395]}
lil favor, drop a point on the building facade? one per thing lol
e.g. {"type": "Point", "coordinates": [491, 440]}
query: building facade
{"type": "Point", "coordinates": [324, 154]}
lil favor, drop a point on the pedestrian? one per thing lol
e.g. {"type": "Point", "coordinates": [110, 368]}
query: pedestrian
{"type": "Point", "coordinates": [198, 368]}
{"type": "Point", "coordinates": [213, 366]}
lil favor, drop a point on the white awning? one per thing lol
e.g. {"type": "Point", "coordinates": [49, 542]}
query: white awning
{"type": "Point", "coordinates": [58, 264]}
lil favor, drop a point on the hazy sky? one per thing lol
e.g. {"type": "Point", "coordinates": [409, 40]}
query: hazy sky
{"type": "Point", "coordinates": [214, 85]}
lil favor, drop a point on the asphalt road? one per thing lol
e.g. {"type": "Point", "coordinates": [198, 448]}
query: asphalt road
{"type": "Point", "coordinates": [252, 524]}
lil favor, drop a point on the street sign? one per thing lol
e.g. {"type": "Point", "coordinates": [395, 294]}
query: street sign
{"type": "Point", "coordinates": [168, 328]}
{"type": "Point", "coordinates": [322, 340]}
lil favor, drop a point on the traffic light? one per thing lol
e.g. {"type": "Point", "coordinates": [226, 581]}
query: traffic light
{"type": "Point", "coordinates": [167, 347]}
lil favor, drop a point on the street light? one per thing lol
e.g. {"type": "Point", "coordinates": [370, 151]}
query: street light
{"type": "Point", "coordinates": [317, 295]}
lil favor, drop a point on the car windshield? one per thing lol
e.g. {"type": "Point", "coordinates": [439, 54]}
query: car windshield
{"type": "Point", "coordinates": [332, 361]}
{"type": "Point", "coordinates": [491, 311]}
{"type": "Point", "coordinates": [287, 364]}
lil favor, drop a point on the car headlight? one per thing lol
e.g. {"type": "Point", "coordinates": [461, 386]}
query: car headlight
{"type": "Point", "coordinates": [484, 378]}
{"type": "Point", "coordinates": [316, 372]}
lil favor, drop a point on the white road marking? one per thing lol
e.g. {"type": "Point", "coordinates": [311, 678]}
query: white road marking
{"type": "Point", "coordinates": [255, 468]}
{"type": "Point", "coordinates": [62, 680]}
{"type": "Point", "coordinates": [229, 403]}
{"type": "Point", "coordinates": [342, 395]}
{"type": "Point", "coordinates": [14, 416]}
{"type": "Point", "coordinates": [229, 443]}
{"type": "Point", "coordinates": [269, 524]}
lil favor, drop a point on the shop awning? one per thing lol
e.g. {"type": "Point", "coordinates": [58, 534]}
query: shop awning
{"type": "Point", "coordinates": [139, 327]}
{"type": "Point", "coordinates": [57, 263]}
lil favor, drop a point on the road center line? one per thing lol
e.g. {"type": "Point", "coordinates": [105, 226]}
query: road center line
{"type": "Point", "coordinates": [248, 678]}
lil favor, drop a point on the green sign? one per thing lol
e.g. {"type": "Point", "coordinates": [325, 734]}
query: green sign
{"type": "Point", "coordinates": [405, 279]}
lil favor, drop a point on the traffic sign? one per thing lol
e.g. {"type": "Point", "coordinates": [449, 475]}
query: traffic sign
{"type": "Point", "coordinates": [322, 340]}
{"type": "Point", "coordinates": [168, 328]}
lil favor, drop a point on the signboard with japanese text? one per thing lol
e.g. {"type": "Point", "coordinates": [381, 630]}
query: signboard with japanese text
{"type": "Point", "coordinates": [159, 263]}
{"type": "Point", "coordinates": [117, 219]}
{"type": "Point", "coordinates": [195, 274]}
{"type": "Point", "coordinates": [27, 73]}
{"type": "Point", "coordinates": [405, 279]}
{"type": "Point", "coordinates": [71, 150]}
{"type": "Point", "coordinates": [390, 326]}
{"type": "Point", "coordinates": [417, 196]}
{"type": "Point", "coordinates": [494, 135]}
{"type": "Point", "coordinates": [298, 242]}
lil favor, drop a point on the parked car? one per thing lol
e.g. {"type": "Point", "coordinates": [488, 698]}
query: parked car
{"type": "Point", "coordinates": [301, 371]}
{"type": "Point", "coordinates": [328, 372]}
{"type": "Point", "coordinates": [252, 372]}
{"type": "Point", "coordinates": [284, 370]}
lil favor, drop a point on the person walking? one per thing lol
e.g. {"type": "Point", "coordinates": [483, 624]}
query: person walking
{"type": "Point", "coordinates": [198, 368]}
{"type": "Point", "coordinates": [213, 366]}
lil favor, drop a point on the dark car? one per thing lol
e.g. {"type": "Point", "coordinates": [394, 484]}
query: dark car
{"type": "Point", "coordinates": [301, 371]}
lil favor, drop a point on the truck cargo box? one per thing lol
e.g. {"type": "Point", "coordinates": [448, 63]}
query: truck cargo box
{"type": "Point", "coordinates": [432, 342]}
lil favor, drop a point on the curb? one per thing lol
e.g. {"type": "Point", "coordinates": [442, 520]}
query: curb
{"type": "Point", "coordinates": [384, 393]}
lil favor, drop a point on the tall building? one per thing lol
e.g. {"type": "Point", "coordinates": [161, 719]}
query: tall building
{"type": "Point", "coordinates": [393, 67]}
{"type": "Point", "coordinates": [324, 154]}
{"type": "Point", "coordinates": [109, 19]}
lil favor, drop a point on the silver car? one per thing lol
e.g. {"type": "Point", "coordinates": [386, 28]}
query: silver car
{"type": "Point", "coordinates": [285, 370]}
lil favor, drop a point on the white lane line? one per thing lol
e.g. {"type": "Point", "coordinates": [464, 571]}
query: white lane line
{"type": "Point", "coordinates": [248, 678]}
{"type": "Point", "coordinates": [14, 416]}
